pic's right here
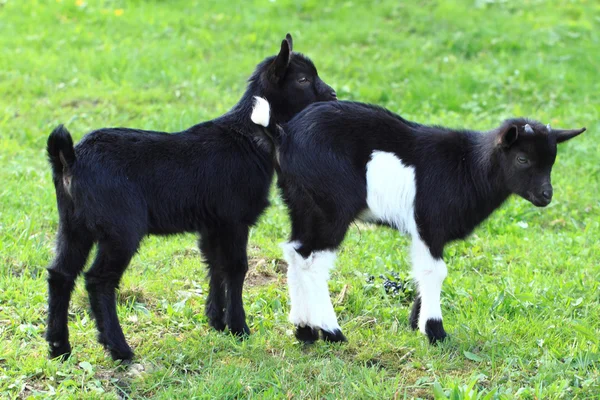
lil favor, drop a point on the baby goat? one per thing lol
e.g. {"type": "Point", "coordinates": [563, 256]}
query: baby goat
{"type": "Point", "coordinates": [344, 161]}
{"type": "Point", "coordinates": [119, 185]}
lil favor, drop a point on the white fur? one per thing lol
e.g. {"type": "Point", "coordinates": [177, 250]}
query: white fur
{"type": "Point", "coordinates": [261, 111]}
{"type": "Point", "coordinates": [309, 293]}
{"type": "Point", "coordinates": [429, 274]}
{"type": "Point", "coordinates": [391, 191]}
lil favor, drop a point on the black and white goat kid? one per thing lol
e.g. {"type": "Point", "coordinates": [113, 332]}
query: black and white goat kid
{"type": "Point", "coordinates": [119, 185]}
{"type": "Point", "coordinates": [344, 161]}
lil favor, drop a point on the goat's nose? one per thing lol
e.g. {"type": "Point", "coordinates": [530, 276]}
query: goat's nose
{"type": "Point", "coordinates": [547, 194]}
{"type": "Point", "coordinates": [333, 94]}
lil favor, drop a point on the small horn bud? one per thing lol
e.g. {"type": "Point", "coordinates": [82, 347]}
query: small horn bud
{"type": "Point", "coordinates": [549, 128]}
{"type": "Point", "coordinates": [528, 129]}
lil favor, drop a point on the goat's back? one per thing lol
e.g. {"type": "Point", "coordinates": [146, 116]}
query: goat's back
{"type": "Point", "coordinates": [173, 182]}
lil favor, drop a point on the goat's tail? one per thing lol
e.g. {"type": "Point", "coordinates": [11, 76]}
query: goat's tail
{"type": "Point", "coordinates": [60, 150]}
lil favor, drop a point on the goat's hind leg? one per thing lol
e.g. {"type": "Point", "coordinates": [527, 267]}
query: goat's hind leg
{"type": "Point", "coordinates": [311, 307]}
{"type": "Point", "coordinates": [101, 282]}
{"type": "Point", "coordinates": [73, 247]}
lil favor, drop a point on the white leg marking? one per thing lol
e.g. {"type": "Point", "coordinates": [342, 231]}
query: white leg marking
{"type": "Point", "coordinates": [261, 112]}
{"type": "Point", "coordinates": [429, 274]}
{"type": "Point", "coordinates": [391, 192]}
{"type": "Point", "coordinates": [309, 293]}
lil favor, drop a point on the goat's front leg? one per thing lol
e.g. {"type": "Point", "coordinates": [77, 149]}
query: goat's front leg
{"type": "Point", "coordinates": [311, 308]}
{"type": "Point", "coordinates": [215, 301]}
{"type": "Point", "coordinates": [429, 273]}
{"type": "Point", "coordinates": [233, 243]}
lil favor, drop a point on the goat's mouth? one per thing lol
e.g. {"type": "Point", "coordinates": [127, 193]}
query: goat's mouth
{"type": "Point", "coordinates": [538, 201]}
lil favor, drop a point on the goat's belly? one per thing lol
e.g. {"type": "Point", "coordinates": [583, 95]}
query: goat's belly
{"type": "Point", "coordinates": [391, 190]}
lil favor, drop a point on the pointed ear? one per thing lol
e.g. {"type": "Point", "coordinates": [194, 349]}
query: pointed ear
{"type": "Point", "coordinates": [288, 37]}
{"type": "Point", "coordinates": [507, 136]}
{"type": "Point", "coordinates": [562, 135]}
{"type": "Point", "coordinates": [281, 62]}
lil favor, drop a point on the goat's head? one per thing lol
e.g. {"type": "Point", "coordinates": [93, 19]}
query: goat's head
{"type": "Point", "coordinates": [527, 150]}
{"type": "Point", "coordinates": [290, 82]}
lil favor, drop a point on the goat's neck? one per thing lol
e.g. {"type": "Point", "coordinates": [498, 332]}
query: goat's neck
{"type": "Point", "coordinates": [486, 181]}
{"type": "Point", "coordinates": [239, 115]}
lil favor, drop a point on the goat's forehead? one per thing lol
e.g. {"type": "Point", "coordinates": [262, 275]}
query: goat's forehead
{"type": "Point", "coordinates": [538, 143]}
{"type": "Point", "coordinates": [299, 62]}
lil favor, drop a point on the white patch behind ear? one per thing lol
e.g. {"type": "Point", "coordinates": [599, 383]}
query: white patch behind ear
{"type": "Point", "coordinates": [261, 112]}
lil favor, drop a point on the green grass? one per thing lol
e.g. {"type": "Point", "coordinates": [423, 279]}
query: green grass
{"type": "Point", "coordinates": [522, 299]}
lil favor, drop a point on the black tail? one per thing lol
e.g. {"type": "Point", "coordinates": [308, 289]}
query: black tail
{"type": "Point", "coordinates": [60, 150]}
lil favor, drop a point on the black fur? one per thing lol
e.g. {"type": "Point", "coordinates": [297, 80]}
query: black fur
{"type": "Point", "coordinates": [306, 334]}
{"type": "Point", "coordinates": [435, 331]}
{"type": "Point", "coordinates": [462, 176]}
{"type": "Point", "coordinates": [414, 314]}
{"type": "Point", "coordinates": [335, 336]}
{"type": "Point", "coordinates": [119, 185]}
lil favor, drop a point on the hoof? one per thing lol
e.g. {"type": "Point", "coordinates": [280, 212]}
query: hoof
{"type": "Point", "coordinates": [435, 331]}
{"type": "Point", "coordinates": [306, 334]}
{"type": "Point", "coordinates": [216, 317]}
{"type": "Point", "coordinates": [335, 336]}
{"type": "Point", "coordinates": [125, 355]}
{"type": "Point", "coordinates": [217, 324]}
{"type": "Point", "coordinates": [60, 350]}
{"type": "Point", "coordinates": [241, 333]}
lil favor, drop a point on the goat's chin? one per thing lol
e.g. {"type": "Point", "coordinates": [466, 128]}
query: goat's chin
{"type": "Point", "coordinates": [539, 202]}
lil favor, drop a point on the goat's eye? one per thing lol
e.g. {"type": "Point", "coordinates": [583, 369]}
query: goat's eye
{"type": "Point", "coordinates": [302, 80]}
{"type": "Point", "coordinates": [522, 160]}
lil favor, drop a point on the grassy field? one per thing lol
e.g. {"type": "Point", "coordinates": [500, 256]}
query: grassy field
{"type": "Point", "coordinates": [522, 299]}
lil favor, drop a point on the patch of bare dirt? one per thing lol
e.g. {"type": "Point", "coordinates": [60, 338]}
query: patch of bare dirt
{"type": "Point", "coordinates": [261, 271]}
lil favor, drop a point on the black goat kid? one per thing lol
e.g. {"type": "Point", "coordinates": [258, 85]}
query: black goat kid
{"type": "Point", "coordinates": [119, 185]}
{"type": "Point", "coordinates": [344, 161]}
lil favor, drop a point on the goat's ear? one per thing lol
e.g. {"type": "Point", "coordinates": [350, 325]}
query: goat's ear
{"type": "Point", "coordinates": [507, 136]}
{"type": "Point", "coordinates": [288, 37]}
{"type": "Point", "coordinates": [562, 135]}
{"type": "Point", "coordinates": [282, 61]}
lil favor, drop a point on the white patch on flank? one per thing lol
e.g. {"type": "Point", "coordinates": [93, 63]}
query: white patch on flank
{"type": "Point", "coordinates": [429, 274]}
{"type": "Point", "coordinates": [261, 112]}
{"type": "Point", "coordinates": [309, 293]}
{"type": "Point", "coordinates": [391, 192]}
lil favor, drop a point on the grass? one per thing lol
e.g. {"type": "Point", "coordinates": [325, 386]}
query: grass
{"type": "Point", "coordinates": [522, 300]}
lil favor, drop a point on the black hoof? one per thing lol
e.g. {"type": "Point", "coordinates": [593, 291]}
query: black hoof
{"type": "Point", "coordinates": [241, 333]}
{"type": "Point", "coordinates": [124, 354]}
{"type": "Point", "coordinates": [217, 324]}
{"type": "Point", "coordinates": [435, 331]}
{"type": "Point", "coordinates": [60, 350]}
{"type": "Point", "coordinates": [306, 334]}
{"type": "Point", "coordinates": [216, 317]}
{"type": "Point", "coordinates": [335, 336]}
